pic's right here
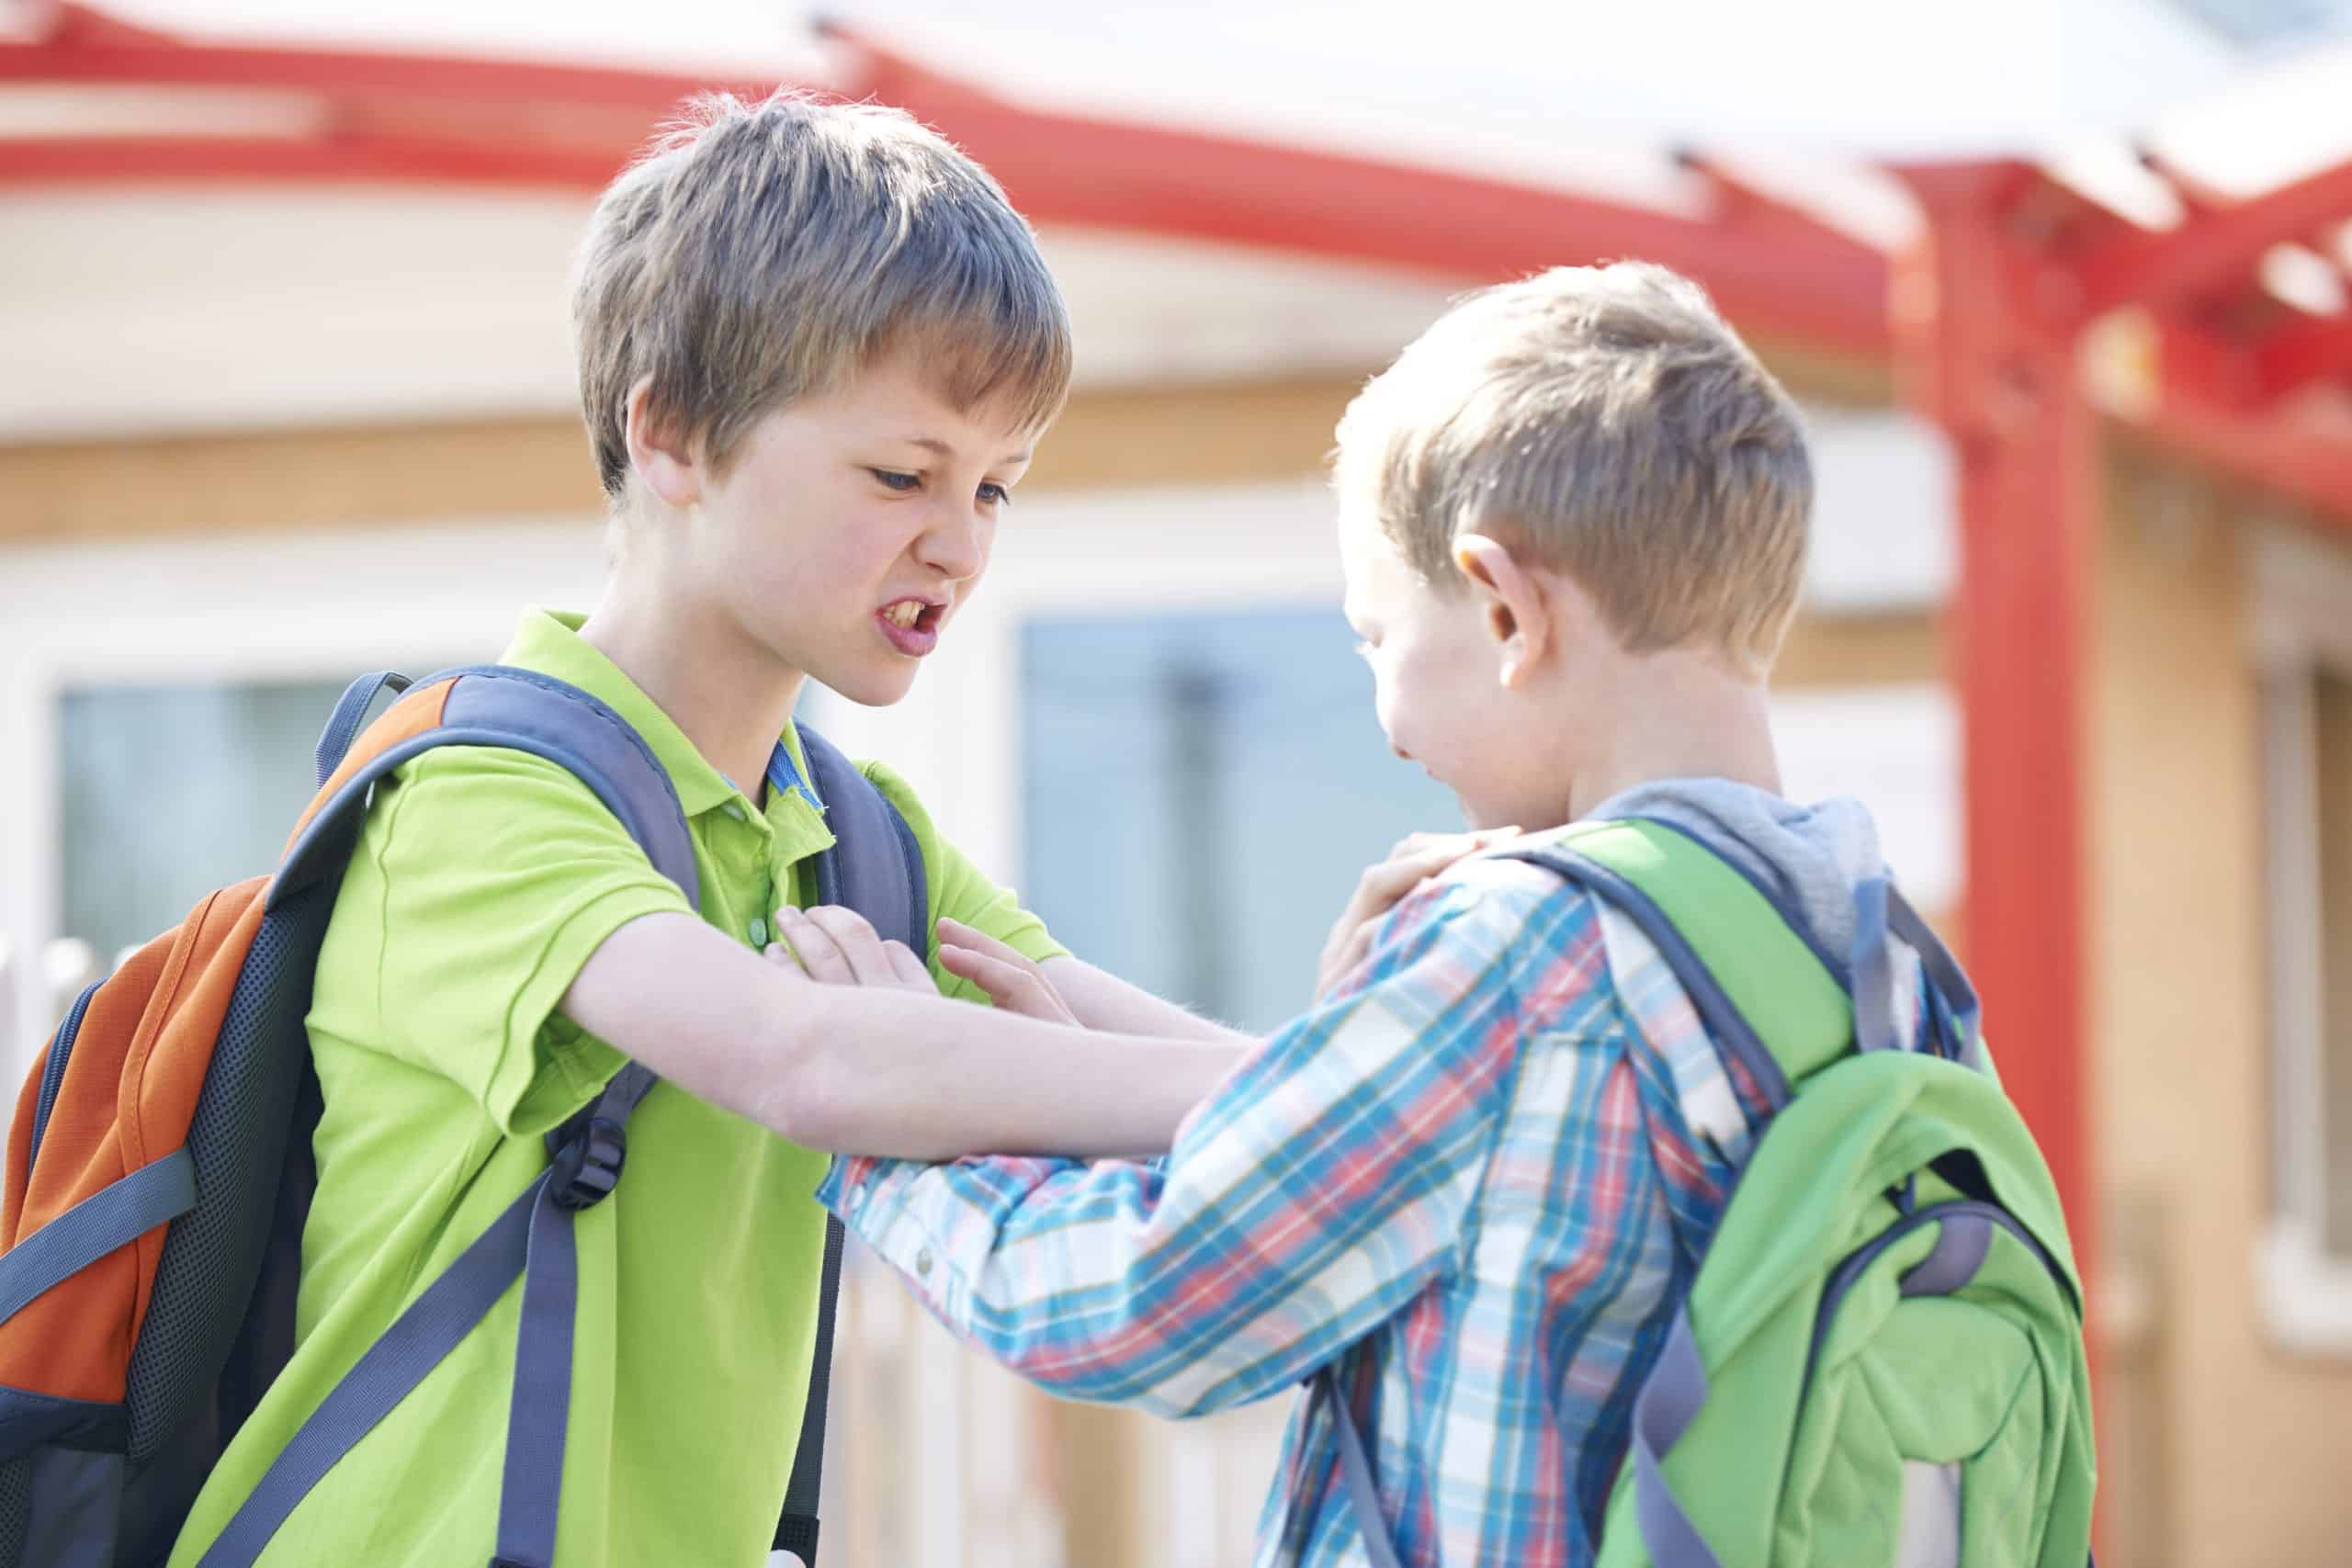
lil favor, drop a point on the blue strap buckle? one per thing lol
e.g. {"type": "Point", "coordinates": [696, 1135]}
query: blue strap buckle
{"type": "Point", "coordinates": [587, 1166]}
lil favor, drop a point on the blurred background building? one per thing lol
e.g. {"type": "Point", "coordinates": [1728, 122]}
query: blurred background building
{"type": "Point", "coordinates": [285, 395]}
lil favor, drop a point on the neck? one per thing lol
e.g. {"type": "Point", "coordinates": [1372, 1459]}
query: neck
{"type": "Point", "coordinates": [728, 694]}
{"type": "Point", "coordinates": [1677, 716]}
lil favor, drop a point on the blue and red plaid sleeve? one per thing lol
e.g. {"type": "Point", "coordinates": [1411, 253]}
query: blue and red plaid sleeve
{"type": "Point", "coordinates": [1318, 1190]}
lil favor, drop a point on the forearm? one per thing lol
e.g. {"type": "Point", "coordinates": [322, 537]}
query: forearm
{"type": "Point", "coordinates": [1104, 1001]}
{"type": "Point", "coordinates": [895, 1073]}
{"type": "Point", "coordinates": [877, 1070]}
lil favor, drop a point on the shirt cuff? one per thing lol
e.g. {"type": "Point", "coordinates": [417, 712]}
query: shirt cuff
{"type": "Point", "coordinates": [872, 1198]}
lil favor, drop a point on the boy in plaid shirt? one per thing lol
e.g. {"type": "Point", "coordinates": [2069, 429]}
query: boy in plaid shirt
{"type": "Point", "coordinates": [1478, 1174]}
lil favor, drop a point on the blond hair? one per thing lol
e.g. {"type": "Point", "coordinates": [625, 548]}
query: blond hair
{"type": "Point", "coordinates": [1606, 420]}
{"type": "Point", "coordinates": [758, 252]}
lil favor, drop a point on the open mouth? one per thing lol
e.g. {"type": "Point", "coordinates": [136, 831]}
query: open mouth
{"type": "Point", "coordinates": [912, 625]}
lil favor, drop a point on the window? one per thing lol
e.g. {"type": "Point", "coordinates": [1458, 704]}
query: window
{"type": "Point", "coordinates": [1203, 790]}
{"type": "Point", "coordinates": [2306, 659]}
{"type": "Point", "coordinates": [239, 759]}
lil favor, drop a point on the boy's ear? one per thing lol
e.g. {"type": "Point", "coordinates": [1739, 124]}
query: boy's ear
{"type": "Point", "coordinates": [1516, 603]}
{"type": "Point", "coordinates": [662, 458]}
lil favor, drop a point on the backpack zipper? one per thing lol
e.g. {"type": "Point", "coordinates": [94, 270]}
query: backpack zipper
{"type": "Point", "coordinates": [52, 1073]}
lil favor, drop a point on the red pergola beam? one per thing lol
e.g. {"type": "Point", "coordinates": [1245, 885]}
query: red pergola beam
{"type": "Point", "coordinates": [2301, 450]}
{"type": "Point", "coordinates": [1774, 273]}
{"type": "Point", "coordinates": [2306, 349]}
{"type": "Point", "coordinates": [82, 161]}
{"type": "Point", "coordinates": [92, 51]}
{"type": "Point", "coordinates": [2215, 248]}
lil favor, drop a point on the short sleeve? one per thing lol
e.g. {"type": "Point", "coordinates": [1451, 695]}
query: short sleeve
{"type": "Point", "coordinates": [960, 892]}
{"type": "Point", "coordinates": [478, 891]}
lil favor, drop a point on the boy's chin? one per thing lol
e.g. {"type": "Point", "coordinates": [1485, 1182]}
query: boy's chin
{"type": "Point", "coordinates": [868, 688]}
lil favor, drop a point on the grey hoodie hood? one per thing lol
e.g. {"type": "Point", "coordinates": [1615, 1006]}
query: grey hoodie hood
{"type": "Point", "coordinates": [1811, 857]}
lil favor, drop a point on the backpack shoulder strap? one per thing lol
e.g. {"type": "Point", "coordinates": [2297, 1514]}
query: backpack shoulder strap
{"type": "Point", "coordinates": [876, 868]}
{"type": "Point", "coordinates": [1767, 996]}
{"type": "Point", "coordinates": [488, 705]}
{"type": "Point", "coordinates": [525, 711]}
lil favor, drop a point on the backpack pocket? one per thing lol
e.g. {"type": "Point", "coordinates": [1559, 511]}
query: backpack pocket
{"type": "Point", "coordinates": [1931, 1398]}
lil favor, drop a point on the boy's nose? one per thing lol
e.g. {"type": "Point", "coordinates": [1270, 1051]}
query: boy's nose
{"type": "Point", "coordinates": [955, 546]}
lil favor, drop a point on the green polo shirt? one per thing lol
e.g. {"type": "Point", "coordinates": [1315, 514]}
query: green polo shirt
{"type": "Point", "coordinates": [481, 885]}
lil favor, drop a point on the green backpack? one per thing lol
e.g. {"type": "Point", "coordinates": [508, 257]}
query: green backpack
{"type": "Point", "coordinates": [1881, 1361]}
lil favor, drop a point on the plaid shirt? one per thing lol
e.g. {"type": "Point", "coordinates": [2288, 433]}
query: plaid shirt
{"type": "Point", "coordinates": [1478, 1174]}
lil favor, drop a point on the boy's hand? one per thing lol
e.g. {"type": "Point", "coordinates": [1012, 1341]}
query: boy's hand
{"type": "Point", "coordinates": [1416, 859]}
{"type": "Point", "coordinates": [838, 947]}
{"type": "Point", "coordinates": [1013, 982]}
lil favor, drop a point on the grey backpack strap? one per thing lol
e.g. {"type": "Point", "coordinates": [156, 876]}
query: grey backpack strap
{"type": "Point", "coordinates": [519, 710]}
{"type": "Point", "coordinates": [876, 868]}
{"type": "Point", "coordinates": [1355, 1469]}
{"type": "Point", "coordinates": [875, 865]}
{"type": "Point", "coordinates": [524, 711]}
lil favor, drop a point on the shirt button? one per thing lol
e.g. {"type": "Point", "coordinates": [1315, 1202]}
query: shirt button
{"type": "Point", "coordinates": [923, 1263]}
{"type": "Point", "coordinates": [759, 934]}
{"type": "Point", "coordinates": [735, 810]}
{"type": "Point", "coordinates": [857, 1196]}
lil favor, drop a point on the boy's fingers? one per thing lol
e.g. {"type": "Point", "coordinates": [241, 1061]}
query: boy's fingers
{"type": "Point", "coordinates": [1349, 957]}
{"type": "Point", "coordinates": [859, 943]}
{"type": "Point", "coordinates": [778, 953]}
{"type": "Point", "coordinates": [1397, 877]}
{"type": "Point", "coordinates": [1011, 987]}
{"type": "Point", "coordinates": [910, 970]}
{"type": "Point", "coordinates": [957, 935]}
{"type": "Point", "coordinates": [821, 955]}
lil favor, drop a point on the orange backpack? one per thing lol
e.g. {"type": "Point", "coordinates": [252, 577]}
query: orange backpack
{"type": "Point", "coordinates": [159, 1171]}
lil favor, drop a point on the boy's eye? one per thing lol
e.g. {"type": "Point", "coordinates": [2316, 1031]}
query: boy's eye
{"type": "Point", "coordinates": [994, 494]}
{"type": "Point", "coordinates": [892, 479]}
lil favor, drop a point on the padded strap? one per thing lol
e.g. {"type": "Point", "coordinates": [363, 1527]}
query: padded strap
{"type": "Point", "coordinates": [519, 710]}
{"type": "Point", "coordinates": [114, 1216]}
{"type": "Point", "coordinates": [875, 865]}
{"type": "Point", "coordinates": [1726, 1023]}
{"type": "Point", "coordinates": [342, 725]}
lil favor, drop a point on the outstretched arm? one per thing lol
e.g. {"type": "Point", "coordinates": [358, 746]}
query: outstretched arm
{"type": "Point", "coordinates": [881, 1068]}
{"type": "Point", "coordinates": [1320, 1189]}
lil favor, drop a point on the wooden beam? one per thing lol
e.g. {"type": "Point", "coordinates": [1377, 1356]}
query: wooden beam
{"type": "Point", "coordinates": [539, 466]}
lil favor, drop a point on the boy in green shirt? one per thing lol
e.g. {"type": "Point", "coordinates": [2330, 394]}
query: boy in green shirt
{"type": "Point", "coordinates": [817, 351]}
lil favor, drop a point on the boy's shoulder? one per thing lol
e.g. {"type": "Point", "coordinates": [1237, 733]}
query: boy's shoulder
{"type": "Point", "coordinates": [1501, 878]}
{"type": "Point", "coordinates": [463, 799]}
{"type": "Point", "coordinates": [1494, 908]}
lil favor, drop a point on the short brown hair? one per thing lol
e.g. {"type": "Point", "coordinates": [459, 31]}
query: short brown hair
{"type": "Point", "coordinates": [758, 252]}
{"type": "Point", "coordinates": [1607, 419]}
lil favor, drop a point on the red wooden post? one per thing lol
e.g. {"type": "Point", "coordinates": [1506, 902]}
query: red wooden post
{"type": "Point", "coordinates": [1986, 333]}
